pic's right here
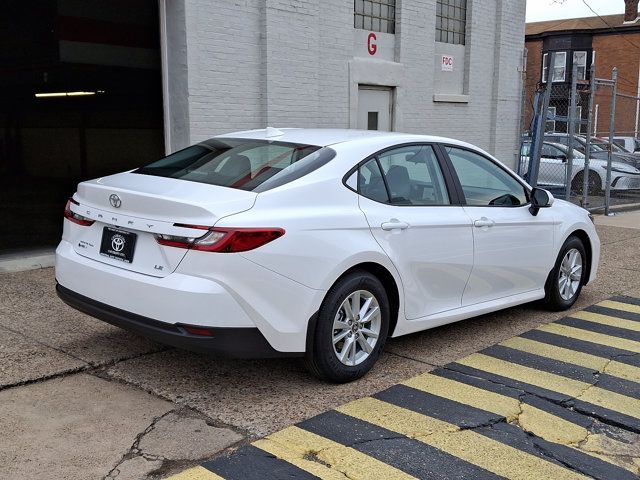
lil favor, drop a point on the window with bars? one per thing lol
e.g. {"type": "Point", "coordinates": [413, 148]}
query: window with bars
{"type": "Point", "coordinates": [451, 21]}
{"type": "Point", "coordinates": [375, 15]}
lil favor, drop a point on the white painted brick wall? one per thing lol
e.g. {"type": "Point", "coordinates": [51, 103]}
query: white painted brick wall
{"type": "Point", "coordinates": [286, 63]}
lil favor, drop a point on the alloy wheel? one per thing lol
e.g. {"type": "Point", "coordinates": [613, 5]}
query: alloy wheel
{"type": "Point", "coordinates": [570, 274]}
{"type": "Point", "coordinates": [356, 328]}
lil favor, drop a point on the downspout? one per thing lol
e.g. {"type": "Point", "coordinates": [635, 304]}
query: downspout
{"type": "Point", "coordinates": [164, 67]}
{"type": "Point", "coordinates": [637, 104]}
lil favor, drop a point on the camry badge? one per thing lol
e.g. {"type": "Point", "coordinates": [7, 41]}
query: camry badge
{"type": "Point", "coordinates": [115, 201]}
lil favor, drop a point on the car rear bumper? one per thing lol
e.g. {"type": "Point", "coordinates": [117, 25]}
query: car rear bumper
{"type": "Point", "coordinates": [228, 342]}
{"type": "Point", "coordinates": [225, 292]}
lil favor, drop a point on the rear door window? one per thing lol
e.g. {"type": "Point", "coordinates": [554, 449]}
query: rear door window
{"type": "Point", "coordinates": [413, 176]}
{"type": "Point", "coordinates": [408, 176]}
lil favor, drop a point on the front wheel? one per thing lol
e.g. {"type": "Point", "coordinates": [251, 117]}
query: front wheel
{"type": "Point", "coordinates": [351, 329]}
{"type": "Point", "coordinates": [567, 277]}
{"type": "Point", "coordinates": [594, 183]}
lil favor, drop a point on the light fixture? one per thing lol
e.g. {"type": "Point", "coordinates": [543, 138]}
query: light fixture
{"type": "Point", "coordinates": [67, 94]}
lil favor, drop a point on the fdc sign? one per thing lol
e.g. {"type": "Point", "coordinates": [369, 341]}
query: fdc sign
{"type": "Point", "coordinates": [447, 63]}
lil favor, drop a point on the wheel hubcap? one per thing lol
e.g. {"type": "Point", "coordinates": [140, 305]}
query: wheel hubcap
{"type": "Point", "coordinates": [356, 328]}
{"type": "Point", "coordinates": [570, 274]}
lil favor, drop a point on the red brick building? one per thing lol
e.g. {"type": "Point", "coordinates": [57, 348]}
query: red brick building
{"type": "Point", "coordinates": [608, 41]}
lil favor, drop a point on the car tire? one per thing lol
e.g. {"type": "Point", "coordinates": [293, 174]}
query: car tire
{"type": "Point", "coordinates": [595, 183]}
{"type": "Point", "coordinates": [563, 288]}
{"type": "Point", "coordinates": [333, 320]}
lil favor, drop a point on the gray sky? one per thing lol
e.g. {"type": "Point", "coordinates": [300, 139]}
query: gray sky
{"type": "Point", "coordinates": [538, 10]}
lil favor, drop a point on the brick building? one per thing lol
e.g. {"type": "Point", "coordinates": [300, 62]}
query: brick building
{"type": "Point", "coordinates": [311, 63]}
{"type": "Point", "coordinates": [608, 41]}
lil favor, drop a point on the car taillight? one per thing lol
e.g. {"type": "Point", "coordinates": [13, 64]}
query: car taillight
{"type": "Point", "coordinates": [222, 240]}
{"type": "Point", "coordinates": [74, 217]}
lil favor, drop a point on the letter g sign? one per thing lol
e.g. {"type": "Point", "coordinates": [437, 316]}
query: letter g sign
{"type": "Point", "coordinates": [371, 44]}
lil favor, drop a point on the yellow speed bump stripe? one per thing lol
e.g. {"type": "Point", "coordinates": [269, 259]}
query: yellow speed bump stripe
{"type": "Point", "coordinates": [528, 417]}
{"type": "Point", "coordinates": [467, 445]}
{"type": "Point", "coordinates": [556, 383]}
{"type": "Point", "coordinates": [468, 394]}
{"type": "Point", "coordinates": [607, 320]}
{"type": "Point", "coordinates": [625, 307]}
{"type": "Point", "coordinates": [593, 337]}
{"type": "Point", "coordinates": [531, 419]}
{"type": "Point", "coordinates": [296, 443]}
{"type": "Point", "coordinates": [604, 365]}
{"type": "Point", "coordinates": [196, 473]}
{"type": "Point", "coordinates": [296, 457]}
{"type": "Point", "coordinates": [549, 381]}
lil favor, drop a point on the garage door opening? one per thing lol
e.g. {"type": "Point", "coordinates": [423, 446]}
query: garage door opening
{"type": "Point", "coordinates": [80, 97]}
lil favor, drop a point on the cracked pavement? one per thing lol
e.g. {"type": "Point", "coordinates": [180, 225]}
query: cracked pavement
{"type": "Point", "coordinates": [82, 399]}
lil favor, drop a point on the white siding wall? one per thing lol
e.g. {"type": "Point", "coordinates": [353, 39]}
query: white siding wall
{"type": "Point", "coordinates": [291, 63]}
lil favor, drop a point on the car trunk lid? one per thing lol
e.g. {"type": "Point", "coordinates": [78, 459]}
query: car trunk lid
{"type": "Point", "coordinates": [130, 209]}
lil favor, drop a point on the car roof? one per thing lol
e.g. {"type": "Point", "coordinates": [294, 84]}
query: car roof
{"type": "Point", "coordinates": [323, 137]}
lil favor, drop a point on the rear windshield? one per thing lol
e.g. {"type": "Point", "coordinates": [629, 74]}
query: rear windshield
{"type": "Point", "coordinates": [254, 165]}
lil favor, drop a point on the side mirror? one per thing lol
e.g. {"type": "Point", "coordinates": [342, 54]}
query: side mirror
{"type": "Point", "coordinates": [540, 198]}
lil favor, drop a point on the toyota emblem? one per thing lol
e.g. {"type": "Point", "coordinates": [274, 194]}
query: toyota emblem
{"type": "Point", "coordinates": [117, 242]}
{"type": "Point", "coordinates": [115, 201]}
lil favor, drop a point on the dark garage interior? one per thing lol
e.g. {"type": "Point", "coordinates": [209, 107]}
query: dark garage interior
{"type": "Point", "coordinates": [80, 97]}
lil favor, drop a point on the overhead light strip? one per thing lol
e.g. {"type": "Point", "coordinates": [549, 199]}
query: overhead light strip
{"type": "Point", "coordinates": [66, 94]}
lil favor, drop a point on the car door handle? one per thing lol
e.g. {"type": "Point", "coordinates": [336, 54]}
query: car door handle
{"type": "Point", "coordinates": [484, 222]}
{"type": "Point", "coordinates": [394, 224]}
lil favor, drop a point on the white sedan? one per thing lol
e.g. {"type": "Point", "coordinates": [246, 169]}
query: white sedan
{"type": "Point", "coordinates": [317, 243]}
{"type": "Point", "coordinates": [553, 170]}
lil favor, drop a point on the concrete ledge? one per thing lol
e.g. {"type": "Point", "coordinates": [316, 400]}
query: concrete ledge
{"type": "Point", "coordinates": [450, 98]}
{"type": "Point", "coordinates": [27, 260]}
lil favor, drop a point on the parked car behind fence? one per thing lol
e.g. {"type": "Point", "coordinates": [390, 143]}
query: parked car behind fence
{"type": "Point", "coordinates": [553, 168]}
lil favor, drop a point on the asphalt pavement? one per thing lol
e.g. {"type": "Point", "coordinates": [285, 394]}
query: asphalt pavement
{"type": "Point", "coordinates": [80, 399]}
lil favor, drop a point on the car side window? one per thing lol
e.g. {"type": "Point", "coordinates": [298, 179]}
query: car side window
{"type": "Point", "coordinates": [483, 182]}
{"type": "Point", "coordinates": [370, 182]}
{"type": "Point", "coordinates": [413, 176]}
{"type": "Point", "coordinates": [549, 151]}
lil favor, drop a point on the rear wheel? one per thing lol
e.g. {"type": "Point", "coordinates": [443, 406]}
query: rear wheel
{"type": "Point", "coordinates": [351, 329]}
{"type": "Point", "coordinates": [567, 277]}
{"type": "Point", "coordinates": [594, 183]}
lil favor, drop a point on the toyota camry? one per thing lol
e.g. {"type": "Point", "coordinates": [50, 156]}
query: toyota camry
{"type": "Point", "coordinates": [317, 243]}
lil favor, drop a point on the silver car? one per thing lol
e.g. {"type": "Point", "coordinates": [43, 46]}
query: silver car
{"type": "Point", "coordinates": [553, 168]}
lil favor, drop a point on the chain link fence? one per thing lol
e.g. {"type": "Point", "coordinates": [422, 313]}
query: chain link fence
{"type": "Point", "coordinates": [580, 139]}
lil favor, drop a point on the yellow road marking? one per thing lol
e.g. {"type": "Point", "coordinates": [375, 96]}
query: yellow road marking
{"type": "Point", "coordinates": [550, 427]}
{"type": "Point", "coordinates": [611, 367]}
{"type": "Point", "coordinates": [608, 320]}
{"type": "Point", "coordinates": [294, 457]}
{"type": "Point", "coordinates": [593, 337]}
{"type": "Point", "coordinates": [612, 401]}
{"type": "Point", "coordinates": [531, 419]}
{"type": "Point", "coordinates": [352, 463]}
{"type": "Point", "coordinates": [468, 394]}
{"type": "Point", "coordinates": [467, 445]}
{"type": "Point", "coordinates": [550, 381]}
{"type": "Point", "coordinates": [196, 473]}
{"type": "Point", "coordinates": [626, 307]}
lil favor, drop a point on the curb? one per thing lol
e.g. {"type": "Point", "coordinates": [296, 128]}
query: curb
{"type": "Point", "coordinates": [27, 260]}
